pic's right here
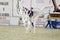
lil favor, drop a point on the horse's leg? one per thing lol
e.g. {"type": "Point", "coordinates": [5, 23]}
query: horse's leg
{"type": "Point", "coordinates": [28, 28]}
{"type": "Point", "coordinates": [34, 28]}
{"type": "Point", "coordinates": [34, 23]}
{"type": "Point", "coordinates": [24, 24]}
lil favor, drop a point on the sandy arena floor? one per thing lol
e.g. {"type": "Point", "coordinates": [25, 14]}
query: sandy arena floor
{"type": "Point", "coordinates": [18, 33]}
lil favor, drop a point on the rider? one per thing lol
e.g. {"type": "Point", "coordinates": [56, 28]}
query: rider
{"type": "Point", "coordinates": [30, 12]}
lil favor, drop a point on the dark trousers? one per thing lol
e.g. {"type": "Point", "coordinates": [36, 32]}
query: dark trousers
{"type": "Point", "coordinates": [32, 24]}
{"type": "Point", "coordinates": [48, 24]}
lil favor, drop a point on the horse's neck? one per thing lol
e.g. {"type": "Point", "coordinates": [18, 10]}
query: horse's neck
{"type": "Point", "coordinates": [24, 15]}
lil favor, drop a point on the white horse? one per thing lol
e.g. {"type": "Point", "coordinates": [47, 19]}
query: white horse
{"type": "Point", "coordinates": [26, 20]}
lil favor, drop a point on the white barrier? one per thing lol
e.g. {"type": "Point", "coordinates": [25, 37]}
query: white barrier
{"type": "Point", "coordinates": [4, 20]}
{"type": "Point", "coordinates": [14, 20]}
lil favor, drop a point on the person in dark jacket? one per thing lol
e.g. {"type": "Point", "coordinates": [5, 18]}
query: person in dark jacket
{"type": "Point", "coordinates": [30, 13]}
